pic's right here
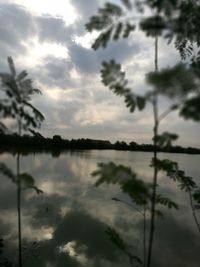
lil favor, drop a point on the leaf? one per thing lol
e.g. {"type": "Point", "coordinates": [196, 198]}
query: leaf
{"type": "Point", "coordinates": [7, 172]}
{"type": "Point", "coordinates": [22, 75]}
{"type": "Point", "coordinates": [18, 90]}
{"type": "Point", "coordinates": [140, 102]}
{"type": "Point", "coordinates": [111, 173]}
{"type": "Point", "coordinates": [11, 66]}
{"type": "Point", "coordinates": [196, 196]}
{"type": "Point", "coordinates": [166, 202]}
{"type": "Point", "coordinates": [114, 78]}
{"type": "Point", "coordinates": [121, 244]}
{"type": "Point", "coordinates": [111, 23]}
{"type": "Point", "coordinates": [165, 139]}
{"type": "Point", "coordinates": [116, 239]}
{"type": "Point", "coordinates": [153, 26]}
{"type": "Point", "coordinates": [175, 82]}
{"type": "Point", "coordinates": [28, 182]}
{"type": "Point", "coordinates": [166, 165]}
{"type": "Point", "coordinates": [191, 109]}
{"type": "Point", "coordinates": [27, 179]}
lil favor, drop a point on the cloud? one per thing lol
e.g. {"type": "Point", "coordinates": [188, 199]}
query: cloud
{"type": "Point", "coordinates": [53, 29]}
{"type": "Point", "coordinates": [17, 25]}
{"type": "Point", "coordinates": [59, 59]}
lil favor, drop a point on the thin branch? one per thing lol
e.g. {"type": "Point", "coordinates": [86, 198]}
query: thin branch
{"type": "Point", "coordinates": [128, 204]}
{"type": "Point", "coordinates": [155, 130]}
{"type": "Point", "coordinates": [193, 211]}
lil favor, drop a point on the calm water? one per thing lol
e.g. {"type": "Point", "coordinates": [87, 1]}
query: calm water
{"type": "Point", "coordinates": [66, 225]}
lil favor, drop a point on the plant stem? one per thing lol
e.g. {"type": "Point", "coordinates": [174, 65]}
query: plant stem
{"type": "Point", "coordinates": [19, 201]}
{"type": "Point", "coordinates": [19, 210]}
{"type": "Point", "coordinates": [155, 131]}
{"type": "Point", "coordinates": [144, 237]}
{"type": "Point", "coordinates": [193, 211]}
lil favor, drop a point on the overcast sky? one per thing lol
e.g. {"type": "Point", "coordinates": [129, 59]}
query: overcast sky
{"type": "Point", "coordinates": [49, 40]}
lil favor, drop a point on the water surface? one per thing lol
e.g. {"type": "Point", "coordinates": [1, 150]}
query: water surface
{"type": "Point", "coordinates": [66, 225]}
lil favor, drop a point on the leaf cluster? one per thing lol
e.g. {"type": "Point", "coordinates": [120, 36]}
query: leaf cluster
{"type": "Point", "coordinates": [185, 182]}
{"type": "Point", "coordinates": [114, 78]}
{"type": "Point", "coordinates": [165, 139]}
{"type": "Point", "coordinates": [123, 176]}
{"type": "Point", "coordinates": [18, 90]}
{"type": "Point", "coordinates": [123, 246]}
{"type": "Point", "coordinates": [26, 180]}
{"type": "Point", "coordinates": [111, 23]}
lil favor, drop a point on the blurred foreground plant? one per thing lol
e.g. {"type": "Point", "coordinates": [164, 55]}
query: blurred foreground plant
{"type": "Point", "coordinates": [177, 21]}
{"type": "Point", "coordinates": [17, 91]}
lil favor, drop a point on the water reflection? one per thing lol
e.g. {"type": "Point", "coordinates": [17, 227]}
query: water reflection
{"type": "Point", "coordinates": [66, 225]}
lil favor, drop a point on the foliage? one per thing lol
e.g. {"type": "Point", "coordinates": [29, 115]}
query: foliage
{"type": "Point", "coordinates": [114, 78]}
{"type": "Point", "coordinates": [18, 90]}
{"type": "Point", "coordinates": [165, 139]}
{"type": "Point", "coordinates": [111, 173]}
{"type": "Point", "coordinates": [28, 182]}
{"type": "Point", "coordinates": [123, 246]}
{"type": "Point", "coordinates": [178, 21]}
{"type": "Point", "coordinates": [112, 23]}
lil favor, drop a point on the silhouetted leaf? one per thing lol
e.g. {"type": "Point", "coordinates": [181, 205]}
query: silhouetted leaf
{"type": "Point", "coordinates": [111, 23]}
{"type": "Point", "coordinates": [166, 202]}
{"type": "Point", "coordinates": [19, 89]}
{"type": "Point", "coordinates": [114, 78]}
{"type": "Point", "coordinates": [111, 173]}
{"type": "Point", "coordinates": [191, 109]}
{"type": "Point", "coordinates": [165, 139]}
{"type": "Point", "coordinates": [196, 196]}
{"type": "Point", "coordinates": [7, 172]}
{"type": "Point", "coordinates": [153, 26]}
{"type": "Point", "coordinates": [175, 82]}
{"type": "Point", "coordinates": [121, 244]}
{"type": "Point", "coordinates": [116, 239]}
{"type": "Point", "coordinates": [28, 182]}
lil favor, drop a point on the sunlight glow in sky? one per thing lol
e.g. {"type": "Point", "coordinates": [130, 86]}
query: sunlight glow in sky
{"type": "Point", "coordinates": [57, 8]}
{"type": "Point", "coordinates": [37, 51]}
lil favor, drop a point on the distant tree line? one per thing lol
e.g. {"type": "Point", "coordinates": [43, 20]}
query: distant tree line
{"type": "Point", "coordinates": [14, 142]}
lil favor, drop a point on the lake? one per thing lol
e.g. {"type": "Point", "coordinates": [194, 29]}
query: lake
{"type": "Point", "coordinates": [66, 225]}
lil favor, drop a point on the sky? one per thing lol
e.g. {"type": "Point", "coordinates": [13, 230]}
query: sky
{"type": "Point", "coordinates": [48, 38]}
